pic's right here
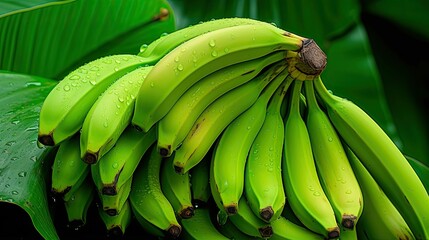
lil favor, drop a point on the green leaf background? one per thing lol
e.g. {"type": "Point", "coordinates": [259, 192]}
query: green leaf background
{"type": "Point", "coordinates": [375, 52]}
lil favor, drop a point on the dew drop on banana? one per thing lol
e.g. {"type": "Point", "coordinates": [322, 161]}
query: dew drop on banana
{"type": "Point", "coordinates": [180, 67]}
{"type": "Point", "coordinates": [66, 88]}
{"type": "Point", "coordinates": [214, 53]}
{"type": "Point", "coordinates": [143, 47]}
{"type": "Point", "coordinates": [22, 174]}
{"type": "Point", "coordinates": [316, 193]}
{"type": "Point", "coordinates": [93, 82]}
{"type": "Point", "coordinates": [15, 192]}
{"type": "Point", "coordinates": [115, 165]}
{"type": "Point", "coordinates": [75, 77]}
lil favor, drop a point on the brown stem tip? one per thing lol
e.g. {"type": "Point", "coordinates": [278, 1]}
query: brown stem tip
{"type": "Point", "coordinates": [174, 231]}
{"type": "Point", "coordinates": [266, 213]}
{"type": "Point", "coordinates": [46, 140]}
{"type": "Point", "coordinates": [312, 60]}
{"type": "Point", "coordinates": [266, 231]}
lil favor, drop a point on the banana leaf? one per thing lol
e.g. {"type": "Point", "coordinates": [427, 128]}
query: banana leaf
{"type": "Point", "coordinates": [50, 38]}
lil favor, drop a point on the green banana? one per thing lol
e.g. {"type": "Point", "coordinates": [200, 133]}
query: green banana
{"type": "Point", "coordinates": [174, 126]}
{"type": "Point", "coordinates": [110, 115]}
{"type": "Point", "coordinates": [147, 200]}
{"type": "Point", "coordinates": [335, 173]}
{"type": "Point", "coordinates": [263, 183]}
{"type": "Point", "coordinates": [68, 169]}
{"type": "Point", "coordinates": [244, 219]}
{"type": "Point", "coordinates": [216, 117]}
{"type": "Point", "coordinates": [303, 188]}
{"type": "Point", "coordinates": [381, 157]}
{"type": "Point", "coordinates": [64, 109]}
{"type": "Point", "coordinates": [116, 224]}
{"type": "Point", "coordinates": [380, 219]}
{"type": "Point", "coordinates": [177, 189]}
{"type": "Point", "coordinates": [198, 57]}
{"type": "Point", "coordinates": [113, 204]}
{"type": "Point", "coordinates": [200, 226]}
{"type": "Point", "coordinates": [249, 223]}
{"type": "Point", "coordinates": [233, 148]}
{"type": "Point", "coordinates": [200, 186]}
{"type": "Point", "coordinates": [284, 229]}
{"type": "Point", "coordinates": [119, 164]}
{"type": "Point", "coordinates": [78, 204]}
{"type": "Point", "coordinates": [163, 45]}
{"type": "Point", "coordinates": [349, 234]}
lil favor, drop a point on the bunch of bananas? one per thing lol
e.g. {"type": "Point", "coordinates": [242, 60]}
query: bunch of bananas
{"type": "Point", "coordinates": [225, 130]}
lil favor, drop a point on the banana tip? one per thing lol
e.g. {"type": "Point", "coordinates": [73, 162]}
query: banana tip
{"type": "Point", "coordinates": [348, 221]}
{"type": "Point", "coordinates": [165, 152]}
{"type": "Point", "coordinates": [46, 140]}
{"type": "Point", "coordinates": [174, 231]}
{"type": "Point", "coordinates": [115, 233]}
{"type": "Point", "coordinates": [187, 212]}
{"type": "Point", "coordinates": [109, 190]}
{"type": "Point", "coordinates": [111, 212]}
{"type": "Point", "coordinates": [266, 231]}
{"type": "Point", "coordinates": [266, 213]}
{"type": "Point", "coordinates": [231, 210]}
{"type": "Point", "coordinates": [334, 233]}
{"type": "Point", "coordinates": [312, 60]}
{"type": "Point", "coordinates": [90, 157]}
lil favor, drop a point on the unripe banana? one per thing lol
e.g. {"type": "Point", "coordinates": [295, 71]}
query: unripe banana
{"type": "Point", "coordinates": [218, 115]}
{"type": "Point", "coordinates": [78, 204]}
{"type": "Point", "coordinates": [381, 157]}
{"type": "Point", "coordinates": [177, 189]}
{"type": "Point", "coordinates": [197, 58]}
{"type": "Point", "coordinates": [68, 169]}
{"type": "Point", "coordinates": [175, 125]}
{"type": "Point", "coordinates": [200, 226]}
{"type": "Point", "coordinates": [65, 108]}
{"type": "Point", "coordinates": [116, 224]}
{"type": "Point", "coordinates": [335, 172]}
{"type": "Point", "coordinates": [113, 204]}
{"type": "Point", "coordinates": [263, 183]}
{"type": "Point", "coordinates": [200, 186]}
{"type": "Point", "coordinates": [163, 45]}
{"type": "Point", "coordinates": [147, 200]}
{"type": "Point", "coordinates": [119, 164]}
{"type": "Point", "coordinates": [232, 232]}
{"type": "Point", "coordinates": [110, 115]}
{"type": "Point", "coordinates": [303, 188]}
{"type": "Point", "coordinates": [230, 154]}
{"type": "Point", "coordinates": [284, 229]}
{"type": "Point", "coordinates": [380, 219]}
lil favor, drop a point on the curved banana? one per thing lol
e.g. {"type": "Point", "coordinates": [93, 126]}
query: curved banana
{"type": "Point", "coordinates": [283, 229]}
{"type": "Point", "coordinates": [177, 189]}
{"type": "Point", "coordinates": [216, 117]}
{"type": "Point", "coordinates": [244, 219]}
{"type": "Point", "coordinates": [78, 204]}
{"type": "Point", "coordinates": [303, 188]}
{"type": "Point", "coordinates": [116, 224]}
{"type": "Point", "coordinates": [113, 204]}
{"type": "Point", "coordinates": [65, 108]}
{"type": "Point", "coordinates": [381, 157]}
{"type": "Point", "coordinates": [175, 125]}
{"type": "Point", "coordinates": [263, 181]}
{"type": "Point", "coordinates": [200, 226]}
{"type": "Point", "coordinates": [163, 45]}
{"type": "Point", "coordinates": [68, 169]}
{"type": "Point", "coordinates": [233, 147]}
{"type": "Point", "coordinates": [249, 223]}
{"type": "Point", "coordinates": [110, 115]}
{"type": "Point", "coordinates": [119, 164]}
{"type": "Point", "coordinates": [197, 58]}
{"type": "Point", "coordinates": [147, 200]}
{"type": "Point", "coordinates": [380, 219]}
{"type": "Point", "coordinates": [200, 186]}
{"type": "Point", "coordinates": [335, 173]}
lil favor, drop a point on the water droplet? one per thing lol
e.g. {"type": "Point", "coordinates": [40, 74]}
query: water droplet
{"type": "Point", "coordinates": [164, 34]}
{"type": "Point", "coordinates": [349, 191]}
{"type": "Point", "coordinates": [152, 84]}
{"type": "Point", "coordinates": [93, 82]}
{"type": "Point", "coordinates": [83, 70]}
{"type": "Point", "coordinates": [117, 61]}
{"type": "Point", "coordinates": [176, 59]}
{"type": "Point", "coordinates": [143, 47]}
{"type": "Point", "coordinates": [33, 84]}
{"type": "Point", "coordinates": [115, 165]}
{"type": "Point", "coordinates": [226, 50]}
{"type": "Point", "coordinates": [311, 188]}
{"type": "Point", "coordinates": [274, 24]}
{"type": "Point", "coordinates": [214, 53]}
{"type": "Point", "coordinates": [121, 99]}
{"type": "Point", "coordinates": [116, 69]}
{"type": "Point", "coordinates": [15, 192]}
{"type": "Point", "coordinates": [33, 158]}
{"type": "Point", "coordinates": [29, 129]}
{"type": "Point", "coordinates": [7, 185]}
{"type": "Point", "coordinates": [330, 139]}
{"type": "Point", "coordinates": [106, 124]}
{"type": "Point", "coordinates": [75, 77]}
{"type": "Point", "coordinates": [212, 43]}
{"type": "Point", "coordinates": [316, 193]}
{"type": "Point", "coordinates": [22, 174]}
{"type": "Point", "coordinates": [249, 127]}
{"type": "Point", "coordinates": [15, 122]}
{"type": "Point", "coordinates": [66, 88]}
{"type": "Point", "coordinates": [96, 68]}
{"type": "Point", "coordinates": [180, 67]}
{"type": "Point", "coordinates": [13, 158]}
